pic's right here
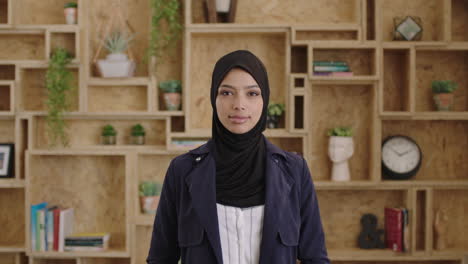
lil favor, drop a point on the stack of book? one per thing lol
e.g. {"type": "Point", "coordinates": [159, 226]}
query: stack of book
{"type": "Point", "coordinates": [49, 226]}
{"type": "Point", "coordinates": [396, 229]}
{"type": "Point", "coordinates": [332, 68]}
{"type": "Point", "coordinates": [87, 242]}
{"type": "Point", "coordinates": [184, 144]}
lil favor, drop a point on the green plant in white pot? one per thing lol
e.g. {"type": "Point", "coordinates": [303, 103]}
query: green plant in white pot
{"type": "Point", "coordinates": [340, 149]}
{"type": "Point", "coordinates": [275, 111]}
{"type": "Point", "coordinates": [443, 94]}
{"type": "Point", "coordinates": [172, 94]}
{"type": "Point", "coordinates": [117, 63]}
{"type": "Point", "coordinates": [70, 11]}
{"type": "Point", "coordinates": [108, 136]}
{"type": "Point", "coordinates": [138, 134]}
{"type": "Point", "coordinates": [149, 192]}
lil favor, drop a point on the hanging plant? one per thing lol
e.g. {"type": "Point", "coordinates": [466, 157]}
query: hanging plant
{"type": "Point", "coordinates": [58, 84]}
{"type": "Point", "coordinates": [166, 27]}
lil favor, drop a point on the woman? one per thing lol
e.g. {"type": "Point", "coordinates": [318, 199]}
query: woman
{"type": "Point", "coordinates": [238, 199]}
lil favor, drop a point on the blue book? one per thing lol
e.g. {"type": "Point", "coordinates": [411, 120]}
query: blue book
{"type": "Point", "coordinates": [34, 209]}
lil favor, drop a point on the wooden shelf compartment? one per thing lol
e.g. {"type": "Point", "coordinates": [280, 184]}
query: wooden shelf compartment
{"type": "Point", "coordinates": [369, 9]}
{"type": "Point", "coordinates": [5, 13]}
{"type": "Point", "coordinates": [286, 12]}
{"type": "Point", "coordinates": [136, 15]}
{"type": "Point", "coordinates": [122, 98]}
{"type": "Point", "coordinates": [96, 186]}
{"type": "Point", "coordinates": [12, 220]}
{"type": "Point", "coordinates": [7, 72]}
{"type": "Point", "coordinates": [459, 20]}
{"type": "Point", "coordinates": [397, 80]}
{"type": "Point", "coordinates": [361, 61]}
{"type": "Point", "coordinates": [13, 256]}
{"type": "Point", "coordinates": [431, 12]}
{"type": "Point", "coordinates": [85, 133]}
{"type": "Point", "coordinates": [443, 146]}
{"type": "Point", "coordinates": [22, 45]}
{"type": "Point", "coordinates": [441, 64]}
{"type": "Point", "coordinates": [453, 203]}
{"type": "Point", "coordinates": [334, 32]}
{"type": "Point", "coordinates": [143, 235]}
{"type": "Point", "coordinates": [69, 40]}
{"type": "Point", "coordinates": [352, 205]}
{"type": "Point", "coordinates": [29, 12]}
{"type": "Point", "coordinates": [33, 92]}
{"type": "Point", "coordinates": [150, 167]}
{"type": "Point", "coordinates": [206, 48]}
{"type": "Point", "coordinates": [299, 59]}
{"type": "Point", "coordinates": [7, 96]}
{"type": "Point", "coordinates": [343, 105]}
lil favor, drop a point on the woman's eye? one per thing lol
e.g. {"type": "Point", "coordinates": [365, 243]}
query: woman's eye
{"type": "Point", "coordinates": [224, 93]}
{"type": "Point", "coordinates": [254, 94]}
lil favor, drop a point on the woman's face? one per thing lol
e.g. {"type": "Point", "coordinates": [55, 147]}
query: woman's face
{"type": "Point", "coordinates": [239, 101]}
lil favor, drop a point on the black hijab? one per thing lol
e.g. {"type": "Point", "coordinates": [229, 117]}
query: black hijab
{"type": "Point", "coordinates": [240, 158]}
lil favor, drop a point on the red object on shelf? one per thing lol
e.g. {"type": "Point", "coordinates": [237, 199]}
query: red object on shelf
{"type": "Point", "coordinates": [393, 229]}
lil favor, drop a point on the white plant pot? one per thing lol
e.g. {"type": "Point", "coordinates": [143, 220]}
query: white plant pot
{"type": "Point", "coordinates": [222, 6]}
{"type": "Point", "coordinates": [116, 65]}
{"type": "Point", "coordinates": [70, 15]}
{"type": "Point", "coordinates": [340, 149]}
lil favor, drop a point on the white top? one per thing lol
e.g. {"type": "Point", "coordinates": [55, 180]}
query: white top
{"type": "Point", "coordinates": [240, 230]}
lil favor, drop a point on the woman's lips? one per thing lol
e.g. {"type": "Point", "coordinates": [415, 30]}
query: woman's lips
{"type": "Point", "coordinates": [238, 119]}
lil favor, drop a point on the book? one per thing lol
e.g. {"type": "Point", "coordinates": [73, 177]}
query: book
{"type": "Point", "coordinates": [331, 68]}
{"type": "Point", "coordinates": [66, 226]}
{"type": "Point", "coordinates": [393, 228]}
{"type": "Point", "coordinates": [405, 226]}
{"type": "Point", "coordinates": [87, 241]}
{"type": "Point", "coordinates": [56, 228]}
{"type": "Point", "coordinates": [34, 232]}
{"type": "Point", "coordinates": [40, 225]}
{"type": "Point", "coordinates": [49, 221]}
{"type": "Point", "coordinates": [330, 63]}
{"type": "Point", "coordinates": [74, 248]}
{"type": "Point", "coordinates": [334, 74]}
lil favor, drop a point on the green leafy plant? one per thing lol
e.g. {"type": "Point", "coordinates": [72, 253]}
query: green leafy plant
{"type": "Point", "coordinates": [117, 41]}
{"type": "Point", "coordinates": [340, 132]}
{"type": "Point", "coordinates": [71, 5]}
{"type": "Point", "coordinates": [444, 86]}
{"type": "Point", "coordinates": [171, 86]}
{"type": "Point", "coordinates": [275, 109]}
{"type": "Point", "coordinates": [166, 27]}
{"type": "Point", "coordinates": [109, 130]}
{"type": "Point", "coordinates": [59, 90]}
{"type": "Point", "coordinates": [138, 130]}
{"type": "Point", "coordinates": [149, 188]}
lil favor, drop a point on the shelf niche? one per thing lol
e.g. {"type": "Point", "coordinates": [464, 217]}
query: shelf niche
{"type": "Point", "coordinates": [31, 12]}
{"type": "Point", "coordinates": [66, 40]}
{"type": "Point", "coordinates": [34, 92]}
{"type": "Point", "coordinates": [431, 13]}
{"type": "Point", "coordinates": [443, 146]}
{"type": "Point", "coordinates": [291, 12]}
{"type": "Point", "coordinates": [12, 226]}
{"type": "Point", "coordinates": [22, 46]}
{"type": "Point", "coordinates": [7, 130]}
{"type": "Point", "coordinates": [352, 205]}
{"type": "Point", "coordinates": [441, 65]}
{"type": "Point", "coordinates": [94, 185]}
{"type": "Point", "coordinates": [5, 98]}
{"type": "Point", "coordinates": [396, 83]}
{"type": "Point", "coordinates": [4, 9]}
{"type": "Point", "coordinates": [342, 105]}
{"type": "Point", "coordinates": [7, 72]}
{"type": "Point", "coordinates": [459, 20]}
{"type": "Point", "coordinates": [299, 59]}
{"type": "Point", "coordinates": [118, 98]}
{"type": "Point", "coordinates": [361, 61]}
{"type": "Point", "coordinates": [87, 132]}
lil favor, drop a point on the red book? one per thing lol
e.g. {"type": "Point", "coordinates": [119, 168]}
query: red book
{"type": "Point", "coordinates": [56, 228]}
{"type": "Point", "coordinates": [393, 229]}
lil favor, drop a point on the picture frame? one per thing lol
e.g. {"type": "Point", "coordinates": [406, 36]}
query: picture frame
{"type": "Point", "coordinates": [7, 157]}
{"type": "Point", "coordinates": [407, 28]}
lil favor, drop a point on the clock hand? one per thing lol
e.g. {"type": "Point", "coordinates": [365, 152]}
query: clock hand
{"type": "Point", "coordinates": [407, 152]}
{"type": "Point", "coordinates": [394, 150]}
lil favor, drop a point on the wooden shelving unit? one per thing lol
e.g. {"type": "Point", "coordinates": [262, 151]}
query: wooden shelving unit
{"type": "Point", "coordinates": [388, 94]}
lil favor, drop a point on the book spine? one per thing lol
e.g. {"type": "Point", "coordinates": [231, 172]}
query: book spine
{"type": "Point", "coordinates": [56, 229]}
{"type": "Point", "coordinates": [393, 229]}
{"type": "Point", "coordinates": [330, 63]}
{"type": "Point", "coordinates": [331, 68]}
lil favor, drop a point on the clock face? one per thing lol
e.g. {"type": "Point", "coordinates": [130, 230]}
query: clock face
{"type": "Point", "coordinates": [400, 154]}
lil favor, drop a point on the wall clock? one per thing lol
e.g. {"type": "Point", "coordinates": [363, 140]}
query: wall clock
{"type": "Point", "coordinates": [401, 157]}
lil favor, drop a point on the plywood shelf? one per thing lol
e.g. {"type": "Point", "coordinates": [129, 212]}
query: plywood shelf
{"type": "Point", "coordinates": [113, 253]}
{"type": "Point", "coordinates": [12, 249]}
{"type": "Point", "coordinates": [11, 183]}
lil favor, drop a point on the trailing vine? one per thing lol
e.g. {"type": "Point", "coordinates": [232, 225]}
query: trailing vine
{"type": "Point", "coordinates": [58, 84]}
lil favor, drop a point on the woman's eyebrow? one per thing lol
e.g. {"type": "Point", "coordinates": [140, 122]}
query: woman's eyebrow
{"type": "Point", "coordinates": [246, 87]}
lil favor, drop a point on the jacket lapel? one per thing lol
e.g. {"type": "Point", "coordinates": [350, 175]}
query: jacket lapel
{"type": "Point", "coordinates": [201, 183]}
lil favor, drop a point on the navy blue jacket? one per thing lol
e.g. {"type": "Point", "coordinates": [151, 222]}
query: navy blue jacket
{"type": "Point", "coordinates": [186, 222]}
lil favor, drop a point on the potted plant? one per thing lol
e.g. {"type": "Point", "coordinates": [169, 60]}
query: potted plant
{"type": "Point", "coordinates": [166, 28]}
{"type": "Point", "coordinates": [108, 136]}
{"type": "Point", "coordinates": [117, 63]}
{"type": "Point", "coordinates": [70, 10]}
{"type": "Point", "coordinates": [59, 88]}
{"type": "Point", "coordinates": [443, 94]}
{"type": "Point", "coordinates": [149, 196]}
{"type": "Point", "coordinates": [138, 135]}
{"type": "Point", "coordinates": [171, 94]}
{"type": "Point", "coordinates": [275, 111]}
{"type": "Point", "coordinates": [340, 149]}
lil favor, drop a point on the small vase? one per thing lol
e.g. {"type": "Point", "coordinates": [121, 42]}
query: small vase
{"type": "Point", "coordinates": [138, 140]}
{"type": "Point", "coordinates": [70, 15]}
{"type": "Point", "coordinates": [108, 140]}
{"type": "Point", "coordinates": [272, 121]}
{"type": "Point", "coordinates": [443, 101]}
{"type": "Point", "coordinates": [172, 101]}
{"type": "Point", "coordinates": [223, 6]}
{"type": "Point", "coordinates": [149, 204]}
{"type": "Point", "coordinates": [340, 149]}
{"type": "Point", "coordinates": [116, 65]}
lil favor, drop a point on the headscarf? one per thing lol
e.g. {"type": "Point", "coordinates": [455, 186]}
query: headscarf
{"type": "Point", "coordinates": [240, 158]}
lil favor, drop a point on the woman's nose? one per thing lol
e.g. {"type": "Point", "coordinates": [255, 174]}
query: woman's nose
{"type": "Point", "coordinates": [239, 103]}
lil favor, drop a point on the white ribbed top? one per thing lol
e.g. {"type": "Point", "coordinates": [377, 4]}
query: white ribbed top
{"type": "Point", "coordinates": [240, 230]}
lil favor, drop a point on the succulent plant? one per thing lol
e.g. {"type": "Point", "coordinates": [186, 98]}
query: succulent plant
{"type": "Point", "coordinates": [444, 86]}
{"type": "Point", "coordinates": [138, 130]}
{"type": "Point", "coordinates": [149, 188]}
{"type": "Point", "coordinates": [275, 109]}
{"type": "Point", "coordinates": [117, 41]}
{"type": "Point", "coordinates": [109, 130]}
{"type": "Point", "coordinates": [340, 132]}
{"type": "Point", "coordinates": [171, 86]}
